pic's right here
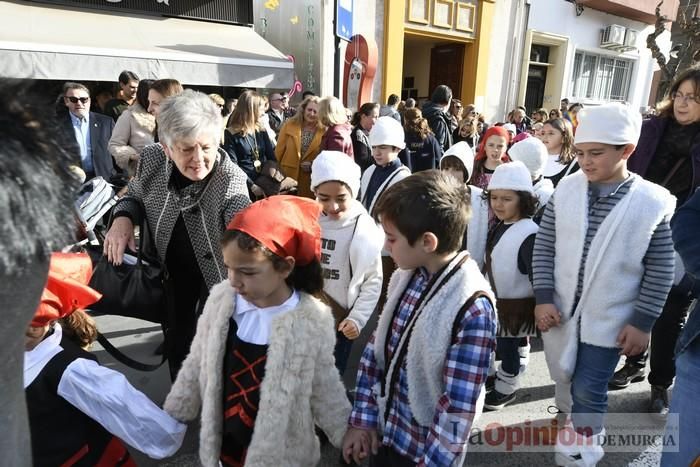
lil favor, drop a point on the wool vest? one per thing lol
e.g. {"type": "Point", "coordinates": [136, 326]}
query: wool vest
{"type": "Point", "coordinates": [397, 175]}
{"type": "Point", "coordinates": [478, 227]}
{"type": "Point", "coordinates": [60, 432]}
{"type": "Point", "coordinates": [543, 191]}
{"type": "Point", "coordinates": [431, 336]}
{"type": "Point", "coordinates": [614, 267]}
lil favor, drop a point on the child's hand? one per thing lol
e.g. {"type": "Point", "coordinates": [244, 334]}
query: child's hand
{"type": "Point", "coordinates": [349, 329]}
{"type": "Point", "coordinates": [632, 341]}
{"type": "Point", "coordinates": [546, 316]}
{"type": "Point", "coordinates": [357, 444]}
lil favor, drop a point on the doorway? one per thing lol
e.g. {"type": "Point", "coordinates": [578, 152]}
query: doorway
{"type": "Point", "coordinates": [446, 67]}
{"type": "Point", "coordinates": [534, 93]}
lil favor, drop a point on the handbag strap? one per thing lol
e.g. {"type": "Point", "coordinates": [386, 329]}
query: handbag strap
{"type": "Point", "coordinates": [126, 360]}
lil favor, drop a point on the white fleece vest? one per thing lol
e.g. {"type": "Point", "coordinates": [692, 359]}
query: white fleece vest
{"type": "Point", "coordinates": [431, 336]}
{"type": "Point", "coordinates": [396, 176]}
{"type": "Point", "coordinates": [509, 281]}
{"type": "Point", "coordinates": [613, 270]}
{"type": "Point", "coordinates": [543, 191]}
{"type": "Point", "coordinates": [478, 227]}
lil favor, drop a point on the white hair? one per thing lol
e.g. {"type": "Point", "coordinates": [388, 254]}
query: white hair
{"type": "Point", "coordinates": [187, 116]}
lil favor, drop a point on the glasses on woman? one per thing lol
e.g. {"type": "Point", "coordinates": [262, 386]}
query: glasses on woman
{"type": "Point", "coordinates": [679, 96]}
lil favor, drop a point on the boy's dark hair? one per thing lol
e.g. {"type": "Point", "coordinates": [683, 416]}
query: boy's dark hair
{"type": "Point", "coordinates": [126, 76]}
{"type": "Point", "coordinates": [527, 202]}
{"type": "Point", "coordinates": [393, 100]}
{"type": "Point", "coordinates": [307, 278]}
{"type": "Point", "coordinates": [428, 201]}
{"type": "Point", "coordinates": [454, 162]}
{"type": "Point", "coordinates": [441, 95]}
{"type": "Point", "coordinates": [306, 94]}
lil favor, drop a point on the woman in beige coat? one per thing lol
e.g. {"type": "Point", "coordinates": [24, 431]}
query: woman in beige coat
{"type": "Point", "coordinates": [134, 130]}
{"type": "Point", "coordinates": [299, 143]}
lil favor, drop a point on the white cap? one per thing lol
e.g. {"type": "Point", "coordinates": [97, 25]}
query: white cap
{"type": "Point", "coordinates": [613, 124]}
{"type": "Point", "coordinates": [510, 127]}
{"type": "Point", "coordinates": [532, 152]}
{"type": "Point", "coordinates": [335, 166]}
{"type": "Point", "coordinates": [387, 131]}
{"type": "Point", "coordinates": [511, 176]}
{"type": "Point", "coordinates": [464, 153]}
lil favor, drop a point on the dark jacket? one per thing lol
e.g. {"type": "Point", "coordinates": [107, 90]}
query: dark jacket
{"type": "Point", "coordinates": [425, 153]}
{"type": "Point", "coordinates": [275, 121]}
{"type": "Point", "coordinates": [206, 206]}
{"type": "Point", "coordinates": [685, 226]}
{"type": "Point", "coordinates": [361, 148]}
{"type": "Point", "coordinates": [337, 138]}
{"type": "Point", "coordinates": [439, 121]}
{"type": "Point", "coordinates": [238, 147]}
{"type": "Point", "coordinates": [652, 134]}
{"type": "Point", "coordinates": [100, 133]}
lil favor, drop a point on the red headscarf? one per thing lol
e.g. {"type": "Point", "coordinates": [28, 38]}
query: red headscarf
{"type": "Point", "coordinates": [66, 289]}
{"type": "Point", "coordinates": [286, 225]}
{"type": "Point", "coordinates": [492, 131]}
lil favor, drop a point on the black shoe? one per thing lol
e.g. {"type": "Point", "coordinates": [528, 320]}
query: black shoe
{"type": "Point", "coordinates": [490, 383]}
{"type": "Point", "coordinates": [625, 376]}
{"type": "Point", "coordinates": [496, 401]}
{"type": "Point", "coordinates": [658, 405]}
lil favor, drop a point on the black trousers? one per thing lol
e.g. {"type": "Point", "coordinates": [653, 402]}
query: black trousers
{"type": "Point", "coordinates": [664, 336]}
{"type": "Point", "coordinates": [188, 304]}
{"type": "Point", "coordinates": [387, 457]}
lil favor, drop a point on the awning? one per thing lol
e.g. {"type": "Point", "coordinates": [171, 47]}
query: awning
{"type": "Point", "coordinates": [68, 44]}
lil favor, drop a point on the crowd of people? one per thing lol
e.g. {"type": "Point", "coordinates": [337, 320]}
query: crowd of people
{"type": "Point", "coordinates": [284, 230]}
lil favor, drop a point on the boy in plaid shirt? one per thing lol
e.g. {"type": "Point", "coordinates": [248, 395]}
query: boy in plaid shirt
{"type": "Point", "coordinates": [420, 381]}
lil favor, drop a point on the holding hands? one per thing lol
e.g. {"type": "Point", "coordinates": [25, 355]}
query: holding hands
{"type": "Point", "coordinates": [547, 316]}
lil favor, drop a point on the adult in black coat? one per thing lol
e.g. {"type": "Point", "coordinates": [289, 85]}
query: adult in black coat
{"type": "Point", "coordinates": [95, 158]}
{"type": "Point", "coordinates": [435, 111]}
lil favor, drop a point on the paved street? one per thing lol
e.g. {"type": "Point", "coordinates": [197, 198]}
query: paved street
{"type": "Point", "coordinates": [139, 339]}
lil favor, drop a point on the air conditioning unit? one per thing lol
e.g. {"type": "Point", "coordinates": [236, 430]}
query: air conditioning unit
{"type": "Point", "coordinates": [613, 37]}
{"type": "Point", "coordinates": [630, 40]}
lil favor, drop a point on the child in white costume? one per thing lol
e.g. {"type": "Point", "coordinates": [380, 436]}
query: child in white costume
{"type": "Point", "coordinates": [351, 247]}
{"type": "Point", "coordinates": [458, 161]}
{"type": "Point", "coordinates": [603, 265]}
{"type": "Point", "coordinates": [508, 266]}
{"type": "Point", "coordinates": [533, 153]}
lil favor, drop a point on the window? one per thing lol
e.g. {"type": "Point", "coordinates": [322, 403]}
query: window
{"type": "Point", "coordinates": [599, 77]}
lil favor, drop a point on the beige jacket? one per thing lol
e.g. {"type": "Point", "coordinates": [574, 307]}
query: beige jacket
{"type": "Point", "coordinates": [301, 386]}
{"type": "Point", "coordinates": [132, 132]}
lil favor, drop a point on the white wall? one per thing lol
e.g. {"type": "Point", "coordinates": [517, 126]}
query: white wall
{"type": "Point", "coordinates": [559, 17]}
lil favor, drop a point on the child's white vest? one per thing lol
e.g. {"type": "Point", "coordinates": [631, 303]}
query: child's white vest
{"type": "Point", "coordinates": [613, 270]}
{"type": "Point", "coordinates": [431, 336]}
{"type": "Point", "coordinates": [509, 281]}
{"type": "Point", "coordinates": [478, 227]}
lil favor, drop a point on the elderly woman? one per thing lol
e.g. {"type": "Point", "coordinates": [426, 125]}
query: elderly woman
{"type": "Point", "coordinates": [668, 153]}
{"type": "Point", "coordinates": [190, 190]}
{"type": "Point", "coordinates": [134, 131]}
{"type": "Point", "coordinates": [299, 143]}
{"type": "Point", "coordinates": [246, 141]}
{"type": "Point", "coordinates": [333, 115]}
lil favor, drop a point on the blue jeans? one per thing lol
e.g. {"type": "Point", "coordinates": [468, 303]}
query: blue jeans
{"type": "Point", "coordinates": [684, 403]}
{"type": "Point", "coordinates": [589, 387]}
{"type": "Point", "coordinates": [508, 351]}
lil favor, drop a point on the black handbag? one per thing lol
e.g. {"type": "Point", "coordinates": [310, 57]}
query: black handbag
{"type": "Point", "coordinates": [132, 290]}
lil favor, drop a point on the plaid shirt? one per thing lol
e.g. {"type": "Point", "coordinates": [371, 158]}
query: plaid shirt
{"type": "Point", "coordinates": [466, 365]}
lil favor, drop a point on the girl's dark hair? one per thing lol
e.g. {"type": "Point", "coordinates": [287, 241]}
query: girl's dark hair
{"type": "Point", "coordinates": [80, 328]}
{"type": "Point", "coordinates": [142, 92]}
{"type": "Point", "coordinates": [454, 162]}
{"type": "Point", "coordinates": [565, 127]}
{"type": "Point", "coordinates": [366, 109]}
{"type": "Point", "coordinates": [307, 278]}
{"type": "Point", "coordinates": [416, 124]}
{"type": "Point", "coordinates": [527, 202]}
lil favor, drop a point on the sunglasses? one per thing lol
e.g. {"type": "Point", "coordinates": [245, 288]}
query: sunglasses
{"type": "Point", "coordinates": [75, 100]}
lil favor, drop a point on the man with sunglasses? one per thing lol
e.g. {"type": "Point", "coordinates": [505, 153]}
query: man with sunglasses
{"type": "Point", "coordinates": [279, 103]}
{"type": "Point", "coordinates": [91, 130]}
